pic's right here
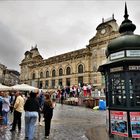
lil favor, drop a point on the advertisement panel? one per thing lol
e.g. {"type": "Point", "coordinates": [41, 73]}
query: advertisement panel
{"type": "Point", "coordinates": [135, 124]}
{"type": "Point", "coordinates": [119, 125]}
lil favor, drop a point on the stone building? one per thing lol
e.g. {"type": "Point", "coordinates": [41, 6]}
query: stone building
{"type": "Point", "coordinates": [72, 68]}
{"type": "Point", "coordinates": [8, 77]}
{"type": "Point", "coordinates": [11, 77]}
{"type": "Point", "coordinates": [2, 73]}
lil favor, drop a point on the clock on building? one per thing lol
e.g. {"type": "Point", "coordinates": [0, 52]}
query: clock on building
{"type": "Point", "coordinates": [103, 31]}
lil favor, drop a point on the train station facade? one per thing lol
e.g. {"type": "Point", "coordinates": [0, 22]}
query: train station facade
{"type": "Point", "coordinates": [72, 68]}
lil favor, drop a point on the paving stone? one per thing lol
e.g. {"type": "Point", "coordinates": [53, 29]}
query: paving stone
{"type": "Point", "coordinates": [68, 123]}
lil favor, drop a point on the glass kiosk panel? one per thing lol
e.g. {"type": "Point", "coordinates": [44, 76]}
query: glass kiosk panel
{"type": "Point", "coordinates": [134, 85]}
{"type": "Point", "coordinates": [118, 89]}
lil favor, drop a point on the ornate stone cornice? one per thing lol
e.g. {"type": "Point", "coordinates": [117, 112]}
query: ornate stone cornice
{"type": "Point", "coordinates": [95, 41]}
{"type": "Point", "coordinates": [63, 57]}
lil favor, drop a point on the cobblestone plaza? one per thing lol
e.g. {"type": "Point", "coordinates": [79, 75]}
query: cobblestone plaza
{"type": "Point", "coordinates": [68, 123]}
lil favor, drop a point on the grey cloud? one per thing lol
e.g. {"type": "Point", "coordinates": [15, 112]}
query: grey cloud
{"type": "Point", "coordinates": [70, 39]}
{"type": "Point", "coordinates": [10, 48]}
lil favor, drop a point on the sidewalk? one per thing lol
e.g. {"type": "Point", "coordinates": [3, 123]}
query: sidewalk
{"type": "Point", "coordinates": [68, 123]}
{"type": "Point", "coordinates": [97, 133]}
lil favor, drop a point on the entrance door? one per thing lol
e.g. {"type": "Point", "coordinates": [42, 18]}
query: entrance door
{"type": "Point", "coordinates": [80, 81]}
{"type": "Point", "coordinates": [68, 81]}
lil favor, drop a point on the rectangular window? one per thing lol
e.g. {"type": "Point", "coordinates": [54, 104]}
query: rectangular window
{"type": "Point", "coordinates": [53, 83]}
{"type": "Point", "coordinates": [60, 82]}
{"type": "Point", "coordinates": [47, 83]}
{"type": "Point", "coordinates": [80, 81]}
{"type": "Point", "coordinates": [40, 85]}
{"type": "Point", "coordinates": [68, 81]}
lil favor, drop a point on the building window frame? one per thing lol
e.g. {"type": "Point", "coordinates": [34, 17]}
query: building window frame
{"type": "Point", "coordinates": [60, 72]}
{"type": "Point", "coordinates": [41, 74]}
{"type": "Point", "coordinates": [80, 68]}
{"type": "Point", "coordinates": [68, 81]}
{"type": "Point", "coordinates": [53, 83]}
{"type": "Point", "coordinates": [47, 74]}
{"type": "Point", "coordinates": [68, 71]}
{"type": "Point", "coordinates": [33, 76]}
{"type": "Point", "coordinates": [47, 83]}
{"type": "Point", "coordinates": [53, 73]}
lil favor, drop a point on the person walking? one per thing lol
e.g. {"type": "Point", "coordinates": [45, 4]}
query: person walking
{"type": "Point", "coordinates": [1, 102]}
{"type": "Point", "coordinates": [62, 96]}
{"type": "Point", "coordinates": [40, 99]}
{"type": "Point", "coordinates": [18, 109]}
{"type": "Point", "coordinates": [48, 113]}
{"type": "Point", "coordinates": [5, 109]}
{"type": "Point", "coordinates": [12, 101]}
{"type": "Point", "coordinates": [85, 90]}
{"type": "Point", "coordinates": [15, 96]}
{"type": "Point", "coordinates": [31, 108]}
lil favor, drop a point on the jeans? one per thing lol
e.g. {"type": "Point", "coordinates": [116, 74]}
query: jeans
{"type": "Point", "coordinates": [30, 121]}
{"type": "Point", "coordinates": [5, 117]}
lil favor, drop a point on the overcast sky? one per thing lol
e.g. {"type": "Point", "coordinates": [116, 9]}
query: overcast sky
{"type": "Point", "coordinates": [55, 26]}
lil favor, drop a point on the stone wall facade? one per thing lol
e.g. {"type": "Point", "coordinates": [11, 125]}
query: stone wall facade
{"type": "Point", "coordinates": [8, 77]}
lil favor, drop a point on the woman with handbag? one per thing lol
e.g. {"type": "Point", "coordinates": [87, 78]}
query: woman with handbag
{"type": "Point", "coordinates": [48, 113]}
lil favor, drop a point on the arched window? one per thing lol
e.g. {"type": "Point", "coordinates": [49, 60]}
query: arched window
{"type": "Point", "coordinates": [33, 76]}
{"type": "Point", "coordinates": [80, 68]}
{"type": "Point", "coordinates": [60, 72]}
{"type": "Point", "coordinates": [53, 73]}
{"type": "Point", "coordinates": [41, 74]}
{"type": "Point", "coordinates": [68, 71]}
{"type": "Point", "coordinates": [47, 74]}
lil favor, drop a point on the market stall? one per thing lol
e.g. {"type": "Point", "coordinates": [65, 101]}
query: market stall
{"type": "Point", "coordinates": [24, 87]}
{"type": "Point", "coordinates": [4, 88]}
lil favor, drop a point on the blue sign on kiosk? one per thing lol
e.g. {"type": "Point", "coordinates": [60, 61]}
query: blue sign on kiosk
{"type": "Point", "coordinates": [122, 81]}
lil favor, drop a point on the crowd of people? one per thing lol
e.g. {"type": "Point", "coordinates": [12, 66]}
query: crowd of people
{"type": "Point", "coordinates": [33, 104]}
{"type": "Point", "coordinates": [76, 91]}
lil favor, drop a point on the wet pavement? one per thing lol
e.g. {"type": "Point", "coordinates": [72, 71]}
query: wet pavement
{"type": "Point", "coordinates": [68, 123]}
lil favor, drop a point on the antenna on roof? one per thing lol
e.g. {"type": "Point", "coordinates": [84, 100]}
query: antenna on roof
{"type": "Point", "coordinates": [113, 16]}
{"type": "Point", "coordinates": [102, 20]}
{"type": "Point", "coordinates": [126, 13]}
